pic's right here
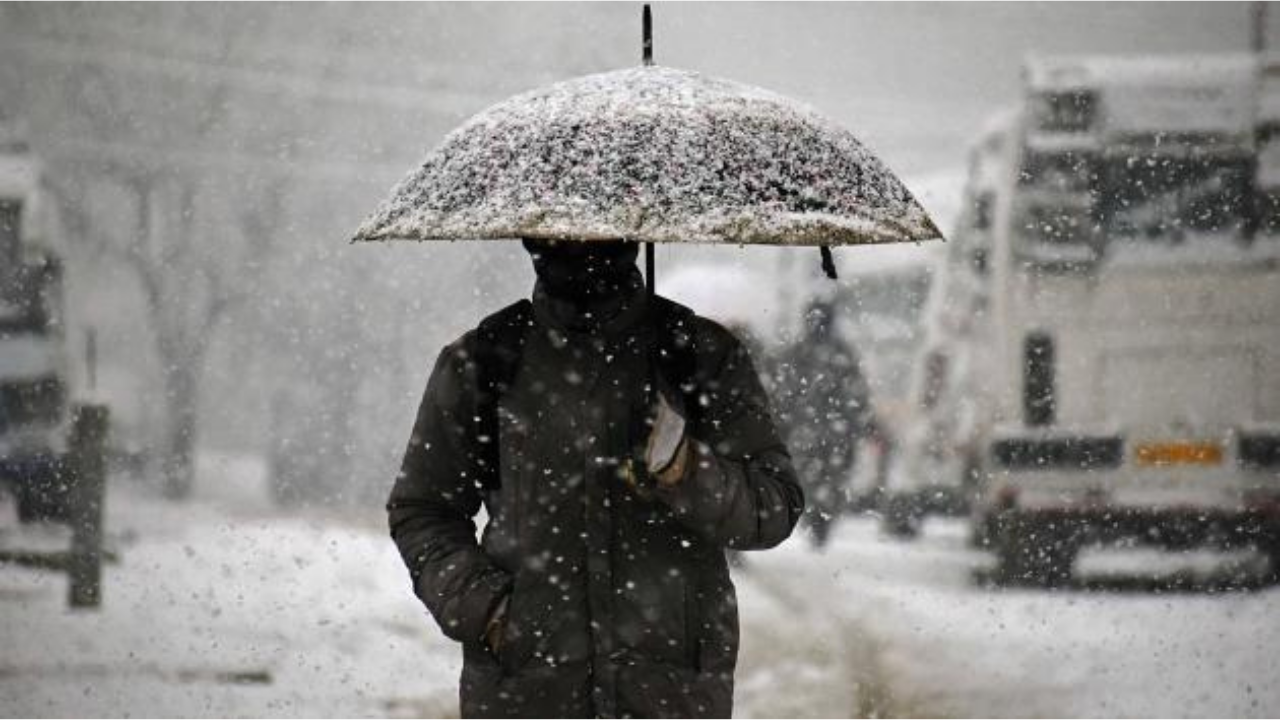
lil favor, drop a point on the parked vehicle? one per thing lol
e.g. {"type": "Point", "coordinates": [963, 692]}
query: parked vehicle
{"type": "Point", "coordinates": [1121, 378]}
{"type": "Point", "coordinates": [34, 367]}
{"type": "Point", "coordinates": [936, 469]}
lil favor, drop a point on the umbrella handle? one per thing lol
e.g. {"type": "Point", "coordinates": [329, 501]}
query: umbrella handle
{"type": "Point", "coordinates": [646, 54]}
{"type": "Point", "coordinates": [828, 262]}
{"type": "Point", "coordinates": [648, 268]}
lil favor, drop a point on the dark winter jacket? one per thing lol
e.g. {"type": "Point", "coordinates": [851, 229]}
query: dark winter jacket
{"type": "Point", "coordinates": [619, 605]}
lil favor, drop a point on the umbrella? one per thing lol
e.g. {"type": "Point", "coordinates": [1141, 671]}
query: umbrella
{"type": "Point", "coordinates": [655, 155]}
{"type": "Point", "coordinates": [652, 154]}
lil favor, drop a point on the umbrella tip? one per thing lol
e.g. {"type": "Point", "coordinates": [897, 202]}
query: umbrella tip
{"type": "Point", "coordinates": [647, 47]}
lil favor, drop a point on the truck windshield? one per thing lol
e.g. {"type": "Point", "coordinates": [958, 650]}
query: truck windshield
{"type": "Point", "coordinates": [1057, 225]}
{"type": "Point", "coordinates": [1164, 198]}
{"type": "Point", "coordinates": [1064, 111]}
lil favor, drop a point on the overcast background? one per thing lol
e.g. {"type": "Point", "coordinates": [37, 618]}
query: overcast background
{"type": "Point", "coordinates": [211, 161]}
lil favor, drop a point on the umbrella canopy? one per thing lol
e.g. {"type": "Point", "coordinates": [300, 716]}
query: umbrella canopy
{"type": "Point", "coordinates": [657, 155]}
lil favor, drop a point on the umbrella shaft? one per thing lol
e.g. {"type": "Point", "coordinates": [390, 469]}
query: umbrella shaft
{"type": "Point", "coordinates": [647, 53]}
{"type": "Point", "coordinates": [648, 267]}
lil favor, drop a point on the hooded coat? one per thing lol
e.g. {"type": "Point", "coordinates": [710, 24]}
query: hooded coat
{"type": "Point", "coordinates": [620, 602]}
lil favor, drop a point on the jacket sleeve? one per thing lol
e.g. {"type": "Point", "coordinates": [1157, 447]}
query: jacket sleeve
{"type": "Point", "coordinates": [435, 498]}
{"type": "Point", "coordinates": [741, 491]}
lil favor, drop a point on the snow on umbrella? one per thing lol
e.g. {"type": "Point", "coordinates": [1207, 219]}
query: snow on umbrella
{"type": "Point", "coordinates": [657, 155]}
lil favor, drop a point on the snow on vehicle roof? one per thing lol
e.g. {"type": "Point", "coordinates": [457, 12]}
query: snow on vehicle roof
{"type": "Point", "coordinates": [652, 154]}
{"type": "Point", "coordinates": [1142, 94]}
{"type": "Point", "coordinates": [1102, 71]}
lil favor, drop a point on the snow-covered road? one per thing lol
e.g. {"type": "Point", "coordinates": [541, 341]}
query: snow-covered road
{"type": "Point", "coordinates": [220, 609]}
{"type": "Point", "coordinates": [943, 644]}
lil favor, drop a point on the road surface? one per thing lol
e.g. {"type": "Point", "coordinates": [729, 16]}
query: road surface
{"type": "Point", "coordinates": [223, 607]}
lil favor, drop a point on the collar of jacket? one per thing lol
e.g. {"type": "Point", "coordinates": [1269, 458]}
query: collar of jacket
{"type": "Point", "coordinates": [609, 317]}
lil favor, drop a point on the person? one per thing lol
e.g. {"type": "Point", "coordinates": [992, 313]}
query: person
{"type": "Point", "coordinates": [827, 411]}
{"type": "Point", "coordinates": [619, 444]}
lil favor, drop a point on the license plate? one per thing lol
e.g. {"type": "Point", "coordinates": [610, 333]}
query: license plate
{"type": "Point", "coordinates": [1179, 453]}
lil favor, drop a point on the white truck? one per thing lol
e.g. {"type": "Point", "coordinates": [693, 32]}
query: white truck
{"type": "Point", "coordinates": [34, 368]}
{"type": "Point", "coordinates": [1121, 375]}
{"type": "Point", "coordinates": [936, 467]}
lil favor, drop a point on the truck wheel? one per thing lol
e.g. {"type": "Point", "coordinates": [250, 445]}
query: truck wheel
{"type": "Point", "coordinates": [901, 518]}
{"type": "Point", "coordinates": [1032, 554]}
{"type": "Point", "coordinates": [983, 531]}
{"type": "Point", "coordinates": [1270, 545]}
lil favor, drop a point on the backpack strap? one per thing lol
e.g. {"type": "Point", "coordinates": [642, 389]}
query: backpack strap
{"type": "Point", "coordinates": [498, 346]}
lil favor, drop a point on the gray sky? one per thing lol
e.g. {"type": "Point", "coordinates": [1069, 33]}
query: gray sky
{"type": "Point", "coordinates": [333, 103]}
{"type": "Point", "coordinates": [917, 79]}
{"type": "Point", "coordinates": [388, 80]}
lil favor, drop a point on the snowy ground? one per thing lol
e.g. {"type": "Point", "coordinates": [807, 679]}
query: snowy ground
{"type": "Point", "coordinates": [942, 644]}
{"type": "Point", "coordinates": [222, 608]}
{"type": "Point", "coordinates": [218, 608]}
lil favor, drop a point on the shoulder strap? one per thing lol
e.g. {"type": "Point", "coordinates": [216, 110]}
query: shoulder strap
{"type": "Point", "coordinates": [499, 344]}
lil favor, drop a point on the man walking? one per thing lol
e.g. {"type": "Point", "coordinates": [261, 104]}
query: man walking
{"type": "Point", "coordinates": [619, 444]}
{"type": "Point", "coordinates": [827, 412]}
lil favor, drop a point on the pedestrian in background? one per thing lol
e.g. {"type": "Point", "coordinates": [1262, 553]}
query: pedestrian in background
{"type": "Point", "coordinates": [826, 409]}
